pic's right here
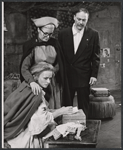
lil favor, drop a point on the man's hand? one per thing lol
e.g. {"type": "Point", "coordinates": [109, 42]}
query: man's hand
{"type": "Point", "coordinates": [93, 80]}
{"type": "Point", "coordinates": [36, 89]}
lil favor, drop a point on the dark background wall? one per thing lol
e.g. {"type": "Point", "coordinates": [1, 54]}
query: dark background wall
{"type": "Point", "coordinates": [108, 23]}
{"type": "Point", "coordinates": [104, 17]}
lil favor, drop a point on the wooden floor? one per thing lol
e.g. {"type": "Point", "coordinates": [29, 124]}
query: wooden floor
{"type": "Point", "coordinates": [110, 131]}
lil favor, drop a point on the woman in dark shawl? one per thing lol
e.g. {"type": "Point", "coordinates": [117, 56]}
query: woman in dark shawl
{"type": "Point", "coordinates": [45, 48]}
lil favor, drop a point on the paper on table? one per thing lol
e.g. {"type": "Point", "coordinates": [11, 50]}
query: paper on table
{"type": "Point", "coordinates": [75, 110]}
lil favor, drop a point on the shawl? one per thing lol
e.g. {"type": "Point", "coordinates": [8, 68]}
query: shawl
{"type": "Point", "coordinates": [18, 109]}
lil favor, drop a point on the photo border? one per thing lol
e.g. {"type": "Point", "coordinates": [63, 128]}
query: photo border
{"type": "Point", "coordinates": [2, 52]}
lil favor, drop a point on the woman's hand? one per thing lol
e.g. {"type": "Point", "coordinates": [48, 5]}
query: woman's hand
{"type": "Point", "coordinates": [67, 110]}
{"type": "Point", "coordinates": [36, 89]}
{"type": "Point", "coordinates": [62, 111]}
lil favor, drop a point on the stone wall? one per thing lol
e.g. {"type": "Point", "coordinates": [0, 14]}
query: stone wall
{"type": "Point", "coordinates": [108, 23]}
{"type": "Point", "coordinates": [12, 58]}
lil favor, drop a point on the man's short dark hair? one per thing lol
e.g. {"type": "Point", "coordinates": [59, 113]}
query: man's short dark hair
{"type": "Point", "coordinates": [81, 9]}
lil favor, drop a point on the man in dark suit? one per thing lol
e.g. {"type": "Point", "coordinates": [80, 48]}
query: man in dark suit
{"type": "Point", "coordinates": [81, 48]}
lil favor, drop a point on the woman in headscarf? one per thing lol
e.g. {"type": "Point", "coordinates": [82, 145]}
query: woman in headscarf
{"type": "Point", "coordinates": [27, 115]}
{"type": "Point", "coordinates": [45, 48]}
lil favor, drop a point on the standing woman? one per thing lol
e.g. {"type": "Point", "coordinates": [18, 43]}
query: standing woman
{"type": "Point", "coordinates": [44, 48]}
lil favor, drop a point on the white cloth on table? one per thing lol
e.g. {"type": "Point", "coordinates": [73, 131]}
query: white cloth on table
{"type": "Point", "coordinates": [69, 127]}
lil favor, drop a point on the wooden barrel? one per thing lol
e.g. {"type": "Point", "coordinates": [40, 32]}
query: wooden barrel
{"type": "Point", "coordinates": [101, 107]}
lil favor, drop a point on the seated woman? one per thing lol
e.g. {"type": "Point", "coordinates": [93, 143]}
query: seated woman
{"type": "Point", "coordinates": [27, 115]}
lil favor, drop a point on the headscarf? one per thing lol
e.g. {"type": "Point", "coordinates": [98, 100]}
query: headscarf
{"type": "Point", "coordinates": [43, 21]}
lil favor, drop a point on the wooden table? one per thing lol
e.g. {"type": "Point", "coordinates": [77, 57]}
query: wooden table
{"type": "Point", "coordinates": [89, 138]}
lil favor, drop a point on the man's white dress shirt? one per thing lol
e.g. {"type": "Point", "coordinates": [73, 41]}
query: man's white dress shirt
{"type": "Point", "coordinates": [77, 36]}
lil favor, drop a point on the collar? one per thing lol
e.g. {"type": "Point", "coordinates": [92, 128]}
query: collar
{"type": "Point", "coordinates": [75, 31]}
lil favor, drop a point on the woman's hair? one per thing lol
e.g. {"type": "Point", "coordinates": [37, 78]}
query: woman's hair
{"type": "Point", "coordinates": [48, 26]}
{"type": "Point", "coordinates": [37, 69]}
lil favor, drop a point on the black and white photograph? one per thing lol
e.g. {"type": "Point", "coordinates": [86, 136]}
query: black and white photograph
{"type": "Point", "coordinates": [61, 74]}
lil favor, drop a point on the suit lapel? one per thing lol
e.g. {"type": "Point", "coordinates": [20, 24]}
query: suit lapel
{"type": "Point", "coordinates": [83, 43]}
{"type": "Point", "coordinates": [70, 43]}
